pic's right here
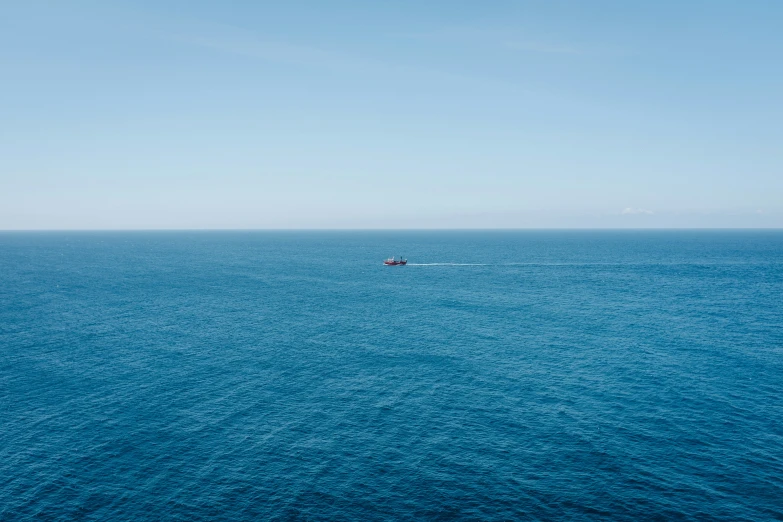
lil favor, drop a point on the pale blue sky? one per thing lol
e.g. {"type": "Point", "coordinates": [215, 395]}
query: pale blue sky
{"type": "Point", "coordinates": [402, 114]}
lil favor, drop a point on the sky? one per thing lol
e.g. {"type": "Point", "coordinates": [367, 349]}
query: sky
{"type": "Point", "coordinates": [192, 114]}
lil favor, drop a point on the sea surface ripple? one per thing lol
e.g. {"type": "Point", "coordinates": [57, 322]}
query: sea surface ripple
{"type": "Point", "coordinates": [291, 376]}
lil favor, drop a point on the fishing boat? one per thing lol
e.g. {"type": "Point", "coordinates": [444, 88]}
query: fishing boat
{"type": "Point", "coordinates": [395, 262]}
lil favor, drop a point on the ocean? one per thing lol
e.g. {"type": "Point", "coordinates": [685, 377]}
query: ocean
{"type": "Point", "coordinates": [500, 375]}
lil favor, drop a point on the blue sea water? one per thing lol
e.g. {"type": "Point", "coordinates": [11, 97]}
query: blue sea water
{"type": "Point", "coordinates": [291, 376]}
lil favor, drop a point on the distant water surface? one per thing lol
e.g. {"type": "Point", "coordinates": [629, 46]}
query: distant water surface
{"type": "Point", "coordinates": [291, 376]}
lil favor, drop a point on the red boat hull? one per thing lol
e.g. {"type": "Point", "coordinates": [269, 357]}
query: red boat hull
{"type": "Point", "coordinates": [395, 263]}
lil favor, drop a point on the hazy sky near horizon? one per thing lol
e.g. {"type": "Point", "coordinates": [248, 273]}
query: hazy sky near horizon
{"type": "Point", "coordinates": [404, 114]}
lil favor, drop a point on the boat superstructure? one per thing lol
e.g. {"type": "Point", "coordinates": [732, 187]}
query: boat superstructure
{"type": "Point", "coordinates": [395, 262]}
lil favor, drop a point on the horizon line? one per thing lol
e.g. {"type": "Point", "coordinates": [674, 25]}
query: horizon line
{"type": "Point", "coordinates": [471, 229]}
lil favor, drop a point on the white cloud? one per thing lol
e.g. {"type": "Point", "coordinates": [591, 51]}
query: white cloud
{"type": "Point", "coordinates": [631, 211]}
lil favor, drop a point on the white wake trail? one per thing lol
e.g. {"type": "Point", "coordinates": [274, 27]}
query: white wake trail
{"type": "Point", "coordinates": [447, 264]}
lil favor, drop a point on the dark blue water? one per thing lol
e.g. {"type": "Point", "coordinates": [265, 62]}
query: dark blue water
{"type": "Point", "coordinates": [291, 376]}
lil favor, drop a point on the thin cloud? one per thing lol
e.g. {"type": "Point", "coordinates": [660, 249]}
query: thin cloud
{"type": "Point", "coordinates": [233, 40]}
{"type": "Point", "coordinates": [628, 211]}
{"type": "Point", "coordinates": [512, 40]}
{"type": "Point", "coordinates": [545, 47]}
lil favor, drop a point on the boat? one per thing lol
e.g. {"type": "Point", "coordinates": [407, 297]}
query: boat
{"type": "Point", "coordinates": [395, 262]}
